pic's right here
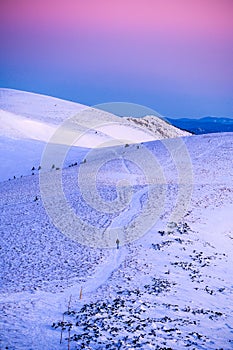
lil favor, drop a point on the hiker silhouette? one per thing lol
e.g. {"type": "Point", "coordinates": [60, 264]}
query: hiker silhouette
{"type": "Point", "coordinates": [117, 243]}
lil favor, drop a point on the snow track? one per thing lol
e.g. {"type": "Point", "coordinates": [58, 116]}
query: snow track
{"type": "Point", "coordinates": [102, 273]}
{"type": "Point", "coordinates": [171, 287]}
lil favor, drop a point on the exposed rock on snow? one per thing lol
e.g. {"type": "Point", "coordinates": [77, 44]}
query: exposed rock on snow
{"type": "Point", "coordinates": [160, 127]}
{"type": "Point", "coordinates": [169, 286]}
{"type": "Point", "coordinates": [169, 289]}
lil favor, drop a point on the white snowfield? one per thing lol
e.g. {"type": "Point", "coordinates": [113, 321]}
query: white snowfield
{"type": "Point", "coordinates": [168, 287]}
{"type": "Point", "coordinates": [28, 119]}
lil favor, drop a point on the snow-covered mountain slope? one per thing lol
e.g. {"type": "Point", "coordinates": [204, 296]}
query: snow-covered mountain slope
{"type": "Point", "coordinates": [164, 129]}
{"type": "Point", "coordinates": [171, 288]}
{"type": "Point", "coordinates": [19, 110]}
{"type": "Point", "coordinates": [25, 117]}
{"type": "Point", "coordinates": [37, 107]}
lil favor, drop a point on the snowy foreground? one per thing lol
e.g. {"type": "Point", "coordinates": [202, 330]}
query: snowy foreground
{"type": "Point", "coordinates": [169, 288]}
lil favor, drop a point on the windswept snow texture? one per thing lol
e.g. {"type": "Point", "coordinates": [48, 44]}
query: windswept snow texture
{"type": "Point", "coordinates": [169, 289]}
{"type": "Point", "coordinates": [27, 117]}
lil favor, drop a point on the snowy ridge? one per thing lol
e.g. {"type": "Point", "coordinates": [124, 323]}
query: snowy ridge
{"type": "Point", "coordinates": [161, 127]}
{"type": "Point", "coordinates": [26, 117]}
{"type": "Point", "coordinates": [37, 107]}
{"type": "Point", "coordinates": [169, 289]}
{"type": "Point", "coordinates": [27, 113]}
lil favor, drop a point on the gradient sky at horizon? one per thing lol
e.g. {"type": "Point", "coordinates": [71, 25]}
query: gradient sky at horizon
{"type": "Point", "coordinates": [175, 56]}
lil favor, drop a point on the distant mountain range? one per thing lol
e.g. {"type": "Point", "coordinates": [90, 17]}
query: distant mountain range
{"type": "Point", "coordinates": [204, 125]}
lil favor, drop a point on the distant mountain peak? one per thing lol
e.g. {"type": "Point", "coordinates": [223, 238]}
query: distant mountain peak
{"type": "Point", "coordinates": [205, 125]}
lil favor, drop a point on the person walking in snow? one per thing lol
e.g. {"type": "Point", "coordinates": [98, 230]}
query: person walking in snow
{"type": "Point", "coordinates": [117, 243]}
